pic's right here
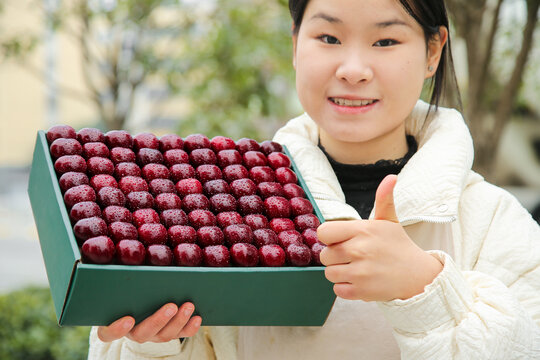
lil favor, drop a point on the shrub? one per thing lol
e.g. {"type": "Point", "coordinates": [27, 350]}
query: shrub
{"type": "Point", "coordinates": [29, 331]}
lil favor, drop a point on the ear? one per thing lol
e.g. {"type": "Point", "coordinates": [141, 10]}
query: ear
{"type": "Point", "coordinates": [435, 48]}
{"type": "Point", "coordinates": [294, 41]}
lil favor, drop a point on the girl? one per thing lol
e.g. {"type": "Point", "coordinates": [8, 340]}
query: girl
{"type": "Point", "coordinates": [433, 263]}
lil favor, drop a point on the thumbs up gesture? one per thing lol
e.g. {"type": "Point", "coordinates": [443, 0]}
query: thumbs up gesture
{"type": "Point", "coordinates": [375, 260]}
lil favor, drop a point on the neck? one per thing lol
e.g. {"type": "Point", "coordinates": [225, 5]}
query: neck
{"type": "Point", "coordinates": [387, 147]}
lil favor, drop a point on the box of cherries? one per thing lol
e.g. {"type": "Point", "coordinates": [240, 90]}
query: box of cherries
{"type": "Point", "coordinates": [130, 222]}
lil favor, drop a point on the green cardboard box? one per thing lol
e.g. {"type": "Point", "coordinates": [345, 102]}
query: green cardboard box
{"type": "Point", "coordinates": [88, 294]}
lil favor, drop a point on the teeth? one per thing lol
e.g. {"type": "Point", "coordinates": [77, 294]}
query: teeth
{"type": "Point", "coordinates": [347, 102]}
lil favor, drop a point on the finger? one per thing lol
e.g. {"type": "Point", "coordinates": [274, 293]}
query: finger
{"type": "Point", "coordinates": [384, 200]}
{"type": "Point", "coordinates": [335, 254]}
{"type": "Point", "coordinates": [177, 323]}
{"type": "Point", "coordinates": [191, 328]}
{"type": "Point", "coordinates": [153, 324]}
{"type": "Point", "coordinates": [116, 330]}
{"type": "Point", "coordinates": [337, 274]}
{"type": "Point", "coordinates": [333, 232]}
{"type": "Point", "coordinates": [346, 291]}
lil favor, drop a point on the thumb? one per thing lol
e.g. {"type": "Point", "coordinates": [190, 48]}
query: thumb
{"type": "Point", "coordinates": [116, 330]}
{"type": "Point", "coordinates": [384, 200]}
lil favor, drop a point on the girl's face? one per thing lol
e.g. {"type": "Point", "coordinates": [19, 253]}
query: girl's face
{"type": "Point", "coordinates": [360, 67]}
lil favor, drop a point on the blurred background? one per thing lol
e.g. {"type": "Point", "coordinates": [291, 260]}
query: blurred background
{"type": "Point", "coordinates": [217, 67]}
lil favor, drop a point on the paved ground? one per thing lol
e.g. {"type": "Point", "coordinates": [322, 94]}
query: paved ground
{"type": "Point", "coordinates": [20, 255]}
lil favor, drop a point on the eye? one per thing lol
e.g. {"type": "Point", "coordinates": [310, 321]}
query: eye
{"type": "Point", "coordinates": [386, 42]}
{"type": "Point", "coordinates": [328, 39]}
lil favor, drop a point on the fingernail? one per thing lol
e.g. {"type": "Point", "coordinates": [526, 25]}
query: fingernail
{"type": "Point", "coordinates": [198, 322]}
{"type": "Point", "coordinates": [188, 310]}
{"type": "Point", "coordinates": [169, 312]}
{"type": "Point", "coordinates": [128, 323]}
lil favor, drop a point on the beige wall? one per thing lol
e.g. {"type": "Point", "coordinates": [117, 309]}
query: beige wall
{"type": "Point", "coordinates": [23, 91]}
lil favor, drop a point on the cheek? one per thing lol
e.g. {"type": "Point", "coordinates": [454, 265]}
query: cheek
{"type": "Point", "coordinates": [405, 80]}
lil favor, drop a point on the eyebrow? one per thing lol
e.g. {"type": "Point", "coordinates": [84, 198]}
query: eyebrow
{"type": "Point", "coordinates": [392, 22]}
{"type": "Point", "coordinates": [382, 24]}
{"type": "Point", "coordinates": [326, 17]}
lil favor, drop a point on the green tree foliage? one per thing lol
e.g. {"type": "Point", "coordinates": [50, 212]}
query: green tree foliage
{"type": "Point", "coordinates": [241, 78]}
{"type": "Point", "coordinates": [29, 330]}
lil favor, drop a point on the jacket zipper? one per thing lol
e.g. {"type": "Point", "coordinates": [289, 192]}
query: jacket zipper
{"type": "Point", "coordinates": [407, 221]}
{"type": "Point", "coordinates": [428, 219]}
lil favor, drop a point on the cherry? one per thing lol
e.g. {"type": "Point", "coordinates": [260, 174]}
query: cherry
{"type": "Point", "coordinates": [256, 221]}
{"type": "Point", "coordinates": [99, 165]}
{"type": "Point", "coordinates": [122, 230]}
{"type": "Point", "coordinates": [227, 218]}
{"type": "Point", "coordinates": [159, 255]}
{"type": "Point", "coordinates": [186, 254]}
{"type": "Point", "coordinates": [261, 174]}
{"type": "Point", "coordinates": [60, 131]}
{"type": "Point", "coordinates": [216, 256]}
{"type": "Point", "coordinates": [90, 135]}
{"type": "Point", "coordinates": [101, 180]}
{"type": "Point", "coordinates": [244, 254]}
{"type": "Point", "coordinates": [298, 255]}
{"type": "Point", "coordinates": [281, 224]}
{"type": "Point", "coordinates": [285, 176]}
{"type": "Point", "coordinates": [61, 147]}
{"type": "Point", "coordinates": [179, 234]}
{"type": "Point", "coordinates": [210, 235]}
{"type": "Point", "coordinates": [148, 156]}
{"type": "Point", "coordinates": [268, 147]}
{"type": "Point", "coordinates": [175, 156]}
{"type": "Point", "coordinates": [271, 255]}
{"type": "Point", "coordinates": [145, 216]}
{"type": "Point", "coordinates": [223, 202]}
{"type": "Point", "coordinates": [229, 157]}
{"type": "Point", "coordinates": [118, 138]}
{"type": "Point", "coordinates": [243, 187]}
{"type": "Point", "coordinates": [152, 234]}
{"type": "Point", "coordinates": [71, 179]}
{"type": "Point", "coordinates": [89, 227]}
{"type": "Point", "coordinates": [79, 194]}
{"type": "Point", "coordinates": [196, 141]}
{"type": "Point", "coordinates": [68, 163]}
{"type": "Point", "coordinates": [263, 237]}
{"type": "Point", "coordinates": [122, 154]}
{"type": "Point", "coordinates": [92, 149]}
{"type": "Point", "coordinates": [125, 169]}
{"type": "Point", "coordinates": [245, 144]}
{"type": "Point", "coordinates": [83, 210]}
{"type": "Point", "coordinates": [139, 200]}
{"type": "Point", "coordinates": [238, 233]}
{"type": "Point", "coordinates": [108, 196]}
{"type": "Point", "coordinates": [169, 142]}
{"type": "Point", "coordinates": [199, 218]}
{"type": "Point", "coordinates": [219, 143]}
{"type": "Point", "coordinates": [115, 213]}
{"type": "Point", "coordinates": [130, 252]}
{"type": "Point", "coordinates": [98, 250]}
{"type": "Point", "coordinates": [172, 217]}
{"type": "Point", "coordinates": [145, 140]}
{"type": "Point", "coordinates": [289, 237]}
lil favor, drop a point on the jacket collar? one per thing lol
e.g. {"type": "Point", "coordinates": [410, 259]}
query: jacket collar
{"type": "Point", "coordinates": [430, 184]}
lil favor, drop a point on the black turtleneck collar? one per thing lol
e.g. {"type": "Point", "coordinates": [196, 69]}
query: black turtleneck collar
{"type": "Point", "coordinates": [360, 181]}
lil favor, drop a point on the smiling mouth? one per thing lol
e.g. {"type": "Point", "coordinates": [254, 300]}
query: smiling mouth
{"type": "Point", "coordinates": [351, 103]}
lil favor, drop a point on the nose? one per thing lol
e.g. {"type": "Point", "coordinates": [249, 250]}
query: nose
{"type": "Point", "coordinates": [354, 68]}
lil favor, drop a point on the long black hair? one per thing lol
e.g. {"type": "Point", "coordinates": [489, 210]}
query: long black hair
{"type": "Point", "coordinates": [430, 14]}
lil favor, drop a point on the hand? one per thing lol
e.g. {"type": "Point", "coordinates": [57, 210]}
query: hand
{"type": "Point", "coordinates": [168, 323]}
{"type": "Point", "coordinates": [375, 260]}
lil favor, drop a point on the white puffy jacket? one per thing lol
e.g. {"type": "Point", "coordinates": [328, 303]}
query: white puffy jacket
{"type": "Point", "coordinates": [485, 304]}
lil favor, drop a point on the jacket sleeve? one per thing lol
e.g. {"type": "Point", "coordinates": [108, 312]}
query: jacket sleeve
{"type": "Point", "coordinates": [487, 306]}
{"type": "Point", "coordinates": [210, 343]}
